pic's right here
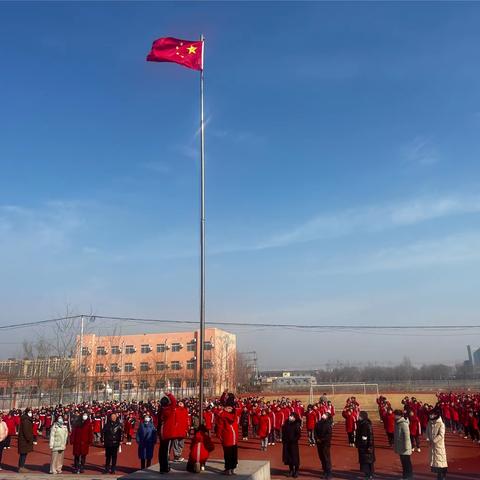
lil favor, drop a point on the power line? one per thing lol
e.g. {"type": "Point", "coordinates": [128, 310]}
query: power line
{"type": "Point", "coordinates": [37, 322]}
{"type": "Point", "coordinates": [332, 327]}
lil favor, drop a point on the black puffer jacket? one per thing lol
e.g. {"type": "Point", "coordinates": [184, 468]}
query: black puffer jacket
{"type": "Point", "coordinates": [364, 442]}
{"type": "Point", "coordinates": [112, 434]}
{"type": "Point", "coordinates": [323, 431]}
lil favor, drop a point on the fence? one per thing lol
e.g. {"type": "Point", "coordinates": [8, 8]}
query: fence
{"type": "Point", "coordinates": [54, 397]}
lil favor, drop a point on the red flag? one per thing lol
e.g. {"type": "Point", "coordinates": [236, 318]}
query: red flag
{"type": "Point", "coordinates": [186, 53]}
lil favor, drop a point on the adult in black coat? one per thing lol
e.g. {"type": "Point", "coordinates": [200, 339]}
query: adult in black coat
{"type": "Point", "coordinates": [365, 444]}
{"type": "Point", "coordinates": [323, 439]}
{"type": "Point", "coordinates": [25, 439]}
{"type": "Point", "coordinates": [291, 432]}
{"type": "Point", "coordinates": [112, 437]}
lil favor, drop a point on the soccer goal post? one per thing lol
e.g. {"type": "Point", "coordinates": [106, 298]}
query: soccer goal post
{"type": "Point", "coordinates": [359, 388]}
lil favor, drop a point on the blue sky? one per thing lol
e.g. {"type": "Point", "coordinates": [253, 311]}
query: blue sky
{"type": "Point", "coordinates": [342, 169]}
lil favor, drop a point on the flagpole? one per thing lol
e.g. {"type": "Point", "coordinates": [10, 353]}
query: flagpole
{"type": "Point", "coordinates": [202, 237]}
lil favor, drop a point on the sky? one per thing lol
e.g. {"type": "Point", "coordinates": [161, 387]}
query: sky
{"type": "Point", "coordinates": [342, 150]}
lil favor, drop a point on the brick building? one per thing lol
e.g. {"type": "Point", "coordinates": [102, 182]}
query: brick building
{"type": "Point", "coordinates": [141, 366]}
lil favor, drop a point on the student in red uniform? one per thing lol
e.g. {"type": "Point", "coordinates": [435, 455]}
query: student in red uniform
{"type": "Point", "coordinates": [9, 420]}
{"type": "Point", "coordinates": [389, 424]}
{"type": "Point", "coordinates": [130, 427]}
{"type": "Point", "coordinates": [208, 418]}
{"type": "Point", "coordinates": [35, 426]}
{"type": "Point", "coordinates": [97, 428]}
{"type": "Point", "coordinates": [200, 450]}
{"type": "Point", "coordinates": [264, 427]}
{"type": "Point", "coordinates": [182, 420]}
{"type": "Point", "coordinates": [271, 435]}
{"type": "Point", "coordinates": [229, 435]}
{"type": "Point", "coordinates": [279, 422]}
{"type": "Point", "coordinates": [167, 429]}
{"type": "Point", "coordinates": [415, 430]}
{"type": "Point", "coordinates": [311, 420]}
{"type": "Point", "coordinates": [473, 427]}
{"type": "Point", "coordinates": [81, 438]}
{"type": "Point", "coordinates": [347, 414]}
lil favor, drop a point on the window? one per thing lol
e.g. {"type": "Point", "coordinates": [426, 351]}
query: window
{"type": "Point", "coordinates": [176, 347]}
{"type": "Point", "coordinates": [128, 385]}
{"type": "Point", "coordinates": [130, 349]}
{"type": "Point", "coordinates": [114, 368]}
{"type": "Point", "coordinates": [116, 386]}
{"type": "Point", "coordinates": [191, 364]}
{"type": "Point", "coordinates": [207, 345]}
{"type": "Point", "coordinates": [145, 348]}
{"type": "Point", "coordinates": [176, 383]}
{"type": "Point", "coordinates": [192, 346]}
{"type": "Point", "coordinates": [144, 367]}
{"type": "Point", "coordinates": [85, 351]}
{"type": "Point", "coordinates": [206, 383]}
{"type": "Point", "coordinates": [160, 366]}
{"type": "Point", "coordinates": [99, 368]}
{"type": "Point", "coordinates": [191, 383]}
{"type": "Point", "coordinates": [144, 385]}
{"type": "Point", "coordinates": [160, 384]}
{"type": "Point", "coordinates": [208, 364]}
{"type": "Point", "coordinates": [99, 385]}
{"type": "Point", "coordinates": [84, 369]}
{"type": "Point", "coordinates": [129, 367]}
{"type": "Point", "coordinates": [160, 347]}
{"type": "Point", "coordinates": [101, 351]}
{"type": "Point", "coordinates": [116, 350]}
{"type": "Point", "coordinates": [175, 366]}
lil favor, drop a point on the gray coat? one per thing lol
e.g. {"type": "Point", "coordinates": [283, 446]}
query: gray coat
{"type": "Point", "coordinates": [402, 443]}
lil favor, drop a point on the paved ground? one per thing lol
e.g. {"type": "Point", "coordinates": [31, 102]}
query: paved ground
{"type": "Point", "coordinates": [463, 457]}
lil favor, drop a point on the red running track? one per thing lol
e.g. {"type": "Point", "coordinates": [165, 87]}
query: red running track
{"type": "Point", "coordinates": [463, 458]}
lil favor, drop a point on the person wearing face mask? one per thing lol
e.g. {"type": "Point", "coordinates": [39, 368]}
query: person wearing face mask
{"type": "Point", "coordinates": [146, 439]}
{"type": "Point", "coordinates": [81, 438]}
{"type": "Point", "coordinates": [402, 444]}
{"type": "Point", "coordinates": [291, 432]}
{"type": "Point", "coordinates": [436, 438]}
{"type": "Point", "coordinates": [323, 438]}
{"type": "Point", "coordinates": [25, 439]}
{"type": "Point", "coordinates": [58, 442]}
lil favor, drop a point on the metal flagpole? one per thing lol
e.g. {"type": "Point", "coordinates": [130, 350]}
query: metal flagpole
{"type": "Point", "coordinates": [202, 236]}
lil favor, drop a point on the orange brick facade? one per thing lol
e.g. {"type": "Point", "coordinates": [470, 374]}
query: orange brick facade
{"type": "Point", "coordinates": [142, 366]}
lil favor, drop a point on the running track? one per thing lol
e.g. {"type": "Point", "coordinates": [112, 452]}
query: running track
{"type": "Point", "coordinates": [463, 458]}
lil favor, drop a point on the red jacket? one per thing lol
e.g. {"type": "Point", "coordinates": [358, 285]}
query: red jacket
{"type": "Point", "coordinates": [264, 426]}
{"type": "Point", "coordinates": [10, 425]}
{"type": "Point", "coordinates": [200, 448]}
{"type": "Point", "coordinates": [349, 422]}
{"type": "Point", "coordinates": [311, 419]}
{"type": "Point", "coordinates": [389, 423]}
{"type": "Point", "coordinates": [208, 419]}
{"type": "Point", "coordinates": [414, 426]}
{"type": "Point", "coordinates": [183, 422]}
{"type": "Point", "coordinates": [228, 431]}
{"type": "Point", "coordinates": [279, 419]}
{"type": "Point", "coordinates": [81, 438]}
{"type": "Point", "coordinates": [173, 424]}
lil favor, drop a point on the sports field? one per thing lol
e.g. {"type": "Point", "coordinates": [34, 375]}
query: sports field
{"type": "Point", "coordinates": [463, 455]}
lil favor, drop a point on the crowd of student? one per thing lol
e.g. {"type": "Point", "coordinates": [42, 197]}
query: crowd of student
{"type": "Point", "coordinates": [170, 422]}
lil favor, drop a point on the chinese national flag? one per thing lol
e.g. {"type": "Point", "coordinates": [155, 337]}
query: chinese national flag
{"type": "Point", "coordinates": [186, 53]}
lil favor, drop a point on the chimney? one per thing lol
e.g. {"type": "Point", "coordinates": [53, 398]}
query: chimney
{"type": "Point", "coordinates": [470, 358]}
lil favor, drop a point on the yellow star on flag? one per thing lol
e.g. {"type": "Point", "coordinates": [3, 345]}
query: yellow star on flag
{"type": "Point", "coordinates": [191, 49]}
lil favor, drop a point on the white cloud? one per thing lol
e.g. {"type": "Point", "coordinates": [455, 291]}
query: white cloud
{"type": "Point", "coordinates": [421, 151]}
{"type": "Point", "coordinates": [374, 218]}
{"type": "Point", "coordinates": [450, 250]}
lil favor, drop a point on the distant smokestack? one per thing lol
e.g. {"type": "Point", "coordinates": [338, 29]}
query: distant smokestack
{"type": "Point", "coordinates": [470, 358]}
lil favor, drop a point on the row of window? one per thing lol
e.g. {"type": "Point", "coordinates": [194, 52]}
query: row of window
{"type": "Point", "coordinates": [145, 384]}
{"type": "Point", "coordinates": [145, 366]}
{"type": "Point", "coordinates": [145, 348]}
